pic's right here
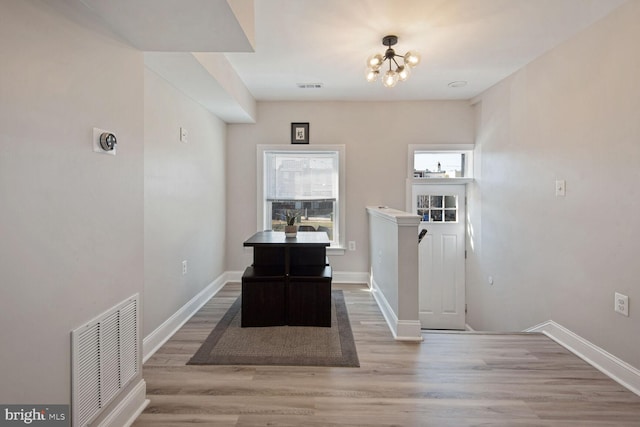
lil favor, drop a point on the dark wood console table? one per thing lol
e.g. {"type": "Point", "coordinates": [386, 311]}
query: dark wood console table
{"type": "Point", "coordinates": [289, 282]}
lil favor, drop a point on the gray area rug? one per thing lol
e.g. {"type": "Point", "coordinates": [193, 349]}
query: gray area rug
{"type": "Point", "coordinates": [229, 344]}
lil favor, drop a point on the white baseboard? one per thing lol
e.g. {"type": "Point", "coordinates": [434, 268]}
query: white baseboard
{"type": "Point", "coordinates": [234, 276]}
{"type": "Point", "coordinates": [615, 368]}
{"type": "Point", "coordinates": [350, 277]}
{"type": "Point", "coordinates": [402, 330]}
{"type": "Point", "coordinates": [129, 408]}
{"type": "Point", "coordinates": [409, 330]}
{"type": "Point", "coordinates": [152, 342]}
{"type": "Point", "coordinates": [468, 328]}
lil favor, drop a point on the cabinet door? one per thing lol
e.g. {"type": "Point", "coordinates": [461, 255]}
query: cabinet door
{"type": "Point", "coordinates": [307, 256]}
{"type": "Point", "coordinates": [309, 302]}
{"type": "Point", "coordinates": [263, 303]}
{"type": "Point", "coordinates": [271, 257]}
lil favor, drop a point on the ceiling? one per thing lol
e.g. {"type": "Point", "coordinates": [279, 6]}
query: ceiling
{"type": "Point", "coordinates": [224, 52]}
{"type": "Point", "coordinates": [477, 41]}
{"type": "Point", "coordinates": [179, 25]}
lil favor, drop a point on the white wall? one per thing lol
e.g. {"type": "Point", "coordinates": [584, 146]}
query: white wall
{"type": "Point", "coordinates": [184, 200]}
{"type": "Point", "coordinates": [572, 114]}
{"type": "Point", "coordinates": [376, 136]}
{"type": "Point", "coordinates": [71, 220]}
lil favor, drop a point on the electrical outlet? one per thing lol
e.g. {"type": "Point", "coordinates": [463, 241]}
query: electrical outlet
{"type": "Point", "coordinates": [184, 267]}
{"type": "Point", "coordinates": [184, 135]}
{"type": "Point", "coordinates": [621, 304]}
{"type": "Point", "coordinates": [352, 245]}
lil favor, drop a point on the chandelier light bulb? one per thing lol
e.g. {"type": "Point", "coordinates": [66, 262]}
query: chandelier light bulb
{"type": "Point", "coordinates": [403, 72]}
{"type": "Point", "coordinates": [411, 58]}
{"type": "Point", "coordinates": [372, 75]}
{"type": "Point", "coordinates": [397, 70]}
{"type": "Point", "coordinates": [375, 61]}
{"type": "Point", "coordinates": [390, 78]}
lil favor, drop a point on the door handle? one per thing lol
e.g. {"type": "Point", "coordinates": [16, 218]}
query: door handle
{"type": "Point", "coordinates": [421, 235]}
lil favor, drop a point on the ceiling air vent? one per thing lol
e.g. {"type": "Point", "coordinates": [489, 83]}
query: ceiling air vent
{"type": "Point", "coordinates": [309, 85]}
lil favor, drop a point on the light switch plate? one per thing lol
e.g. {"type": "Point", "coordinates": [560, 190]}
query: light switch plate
{"type": "Point", "coordinates": [561, 187]}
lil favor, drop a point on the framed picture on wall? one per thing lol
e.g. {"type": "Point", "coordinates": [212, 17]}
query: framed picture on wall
{"type": "Point", "coordinates": [299, 133]}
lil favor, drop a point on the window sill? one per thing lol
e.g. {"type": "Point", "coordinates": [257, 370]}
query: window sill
{"type": "Point", "coordinates": [335, 250]}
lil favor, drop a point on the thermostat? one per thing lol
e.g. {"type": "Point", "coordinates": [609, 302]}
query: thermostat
{"type": "Point", "coordinates": [108, 141]}
{"type": "Point", "coordinates": [104, 142]}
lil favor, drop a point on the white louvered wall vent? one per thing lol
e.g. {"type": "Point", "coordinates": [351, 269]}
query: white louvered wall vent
{"type": "Point", "coordinates": [105, 357]}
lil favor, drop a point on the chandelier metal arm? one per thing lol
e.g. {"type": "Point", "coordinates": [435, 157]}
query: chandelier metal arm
{"type": "Point", "coordinates": [402, 71]}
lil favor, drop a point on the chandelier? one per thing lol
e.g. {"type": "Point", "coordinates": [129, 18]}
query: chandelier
{"type": "Point", "coordinates": [391, 76]}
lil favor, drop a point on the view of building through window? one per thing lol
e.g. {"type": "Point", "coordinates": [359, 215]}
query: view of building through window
{"type": "Point", "coordinates": [315, 215]}
{"type": "Point", "coordinates": [439, 164]}
{"type": "Point", "coordinates": [303, 182]}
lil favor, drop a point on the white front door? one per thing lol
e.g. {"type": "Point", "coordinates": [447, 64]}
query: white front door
{"type": "Point", "coordinates": [441, 254]}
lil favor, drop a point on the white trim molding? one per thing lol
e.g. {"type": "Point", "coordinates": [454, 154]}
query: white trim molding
{"type": "Point", "coordinates": [351, 277]}
{"type": "Point", "coordinates": [402, 330]}
{"type": "Point", "coordinates": [152, 342]}
{"type": "Point", "coordinates": [615, 368]}
{"type": "Point", "coordinates": [129, 408]}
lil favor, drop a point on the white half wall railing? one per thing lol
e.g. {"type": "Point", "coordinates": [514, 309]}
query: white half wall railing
{"type": "Point", "coordinates": [393, 257]}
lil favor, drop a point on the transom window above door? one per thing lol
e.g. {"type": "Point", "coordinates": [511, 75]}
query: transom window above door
{"type": "Point", "coordinates": [441, 163]}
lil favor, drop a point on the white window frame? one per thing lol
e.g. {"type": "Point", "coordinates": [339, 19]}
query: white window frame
{"type": "Point", "coordinates": [442, 148]}
{"type": "Point", "coordinates": [468, 149]}
{"type": "Point", "coordinates": [336, 249]}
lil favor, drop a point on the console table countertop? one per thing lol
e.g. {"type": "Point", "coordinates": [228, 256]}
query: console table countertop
{"type": "Point", "coordinates": [277, 238]}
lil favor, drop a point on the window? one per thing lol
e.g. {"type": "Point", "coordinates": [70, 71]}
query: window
{"type": "Point", "coordinates": [442, 165]}
{"type": "Point", "coordinates": [441, 161]}
{"type": "Point", "coordinates": [307, 180]}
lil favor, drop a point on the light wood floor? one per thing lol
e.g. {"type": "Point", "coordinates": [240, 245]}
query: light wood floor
{"type": "Point", "coordinates": [451, 379]}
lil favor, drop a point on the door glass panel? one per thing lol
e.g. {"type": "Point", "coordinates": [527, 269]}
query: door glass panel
{"type": "Point", "coordinates": [450, 201]}
{"type": "Point", "coordinates": [436, 201]}
{"type": "Point", "coordinates": [436, 208]}
{"type": "Point", "coordinates": [423, 201]}
{"type": "Point", "coordinates": [450, 215]}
